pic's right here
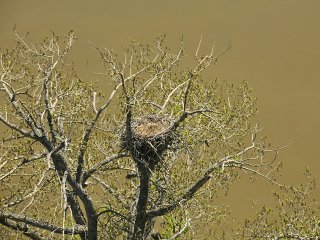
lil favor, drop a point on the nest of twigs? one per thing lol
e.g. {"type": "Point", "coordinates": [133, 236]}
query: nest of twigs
{"type": "Point", "coordinates": [151, 137]}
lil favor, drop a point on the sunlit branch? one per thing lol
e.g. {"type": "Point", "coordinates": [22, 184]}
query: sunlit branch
{"type": "Point", "coordinates": [16, 128]}
{"type": "Point", "coordinates": [112, 191]}
{"type": "Point", "coordinates": [101, 164]}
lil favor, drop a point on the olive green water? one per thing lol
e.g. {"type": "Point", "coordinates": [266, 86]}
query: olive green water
{"type": "Point", "coordinates": [275, 47]}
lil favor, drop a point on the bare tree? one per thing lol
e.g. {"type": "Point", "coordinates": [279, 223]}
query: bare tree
{"type": "Point", "coordinates": [76, 164]}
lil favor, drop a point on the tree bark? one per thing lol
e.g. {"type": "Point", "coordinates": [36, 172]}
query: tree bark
{"type": "Point", "coordinates": [141, 218]}
{"type": "Point", "coordinates": [92, 221]}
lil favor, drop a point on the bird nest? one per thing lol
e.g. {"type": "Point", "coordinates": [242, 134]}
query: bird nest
{"type": "Point", "coordinates": [151, 137]}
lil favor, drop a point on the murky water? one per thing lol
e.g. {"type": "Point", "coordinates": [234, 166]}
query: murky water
{"type": "Point", "coordinates": [275, 47]}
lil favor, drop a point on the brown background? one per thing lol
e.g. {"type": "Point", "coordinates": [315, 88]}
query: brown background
{"type": "Point", "coordinates": [275, 47]}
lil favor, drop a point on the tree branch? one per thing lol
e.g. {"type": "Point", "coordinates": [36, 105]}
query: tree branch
{"type": "Point", "coordinates": [21, 228]}
{"type": "Point", "coordinates": [99, 165]}
{"type": "Point", "coordinates": [41, 224]}
{"type": "Point", "coordinates": [16, 128]}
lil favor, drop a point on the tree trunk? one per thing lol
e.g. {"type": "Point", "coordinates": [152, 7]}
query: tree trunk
{"type": "Point", "coordinates": [141, 218]}
{"type": "Point", "coordinates": [92, 228]}
{"type": "Point", "coordinates": [92, 222]}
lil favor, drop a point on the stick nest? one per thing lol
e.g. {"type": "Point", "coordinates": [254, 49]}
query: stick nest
{"type": "Point", "coordinates": [151, 137]}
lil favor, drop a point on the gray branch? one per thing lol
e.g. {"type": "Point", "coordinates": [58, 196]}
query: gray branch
{"type": "Point", "coordinates": [41, 224]}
